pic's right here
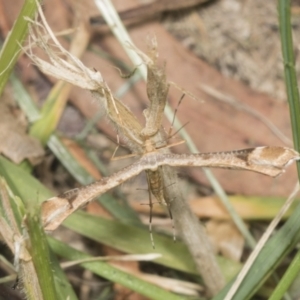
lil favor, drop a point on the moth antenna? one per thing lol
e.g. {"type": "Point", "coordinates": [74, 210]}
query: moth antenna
{"type": "Point", "coordinates": [175, 113]}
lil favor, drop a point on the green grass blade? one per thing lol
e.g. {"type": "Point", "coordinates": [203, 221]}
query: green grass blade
{"type": "Point", "coordinates": [63, 287]}
{"type": "Point", "coordinates": [24, 100]}
{"type": "Point", "coordinates": [133, 239]}
{"type": "Point", "coordinates": [290, 71]}
{"type": "Point", "coordinates": [270, 256]}
{"type": "Point", "coordinates": [40, 254]}
{"type": "Point", "coordinates": [22, 184]}
{"type": "Point", "coordinates": [68, 161]}
{"type": "Point", "coordinates": [11, 48]}
{"type": "Point", "coordinates": [109, 272]}
{"type": "Point", "coordinates": [288, 278]}
{"type": "Point", "coordinates": [51, 112]}
{"type": "Point", "coordinates": [284, 12]}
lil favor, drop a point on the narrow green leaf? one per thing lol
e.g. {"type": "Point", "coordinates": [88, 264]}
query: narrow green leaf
{"type": "Point", "coordinates": [23, 184]}
{"type": "Point", "coordinates": [271, 255]}
{"type": "Point", "coordinates": [133, 239]}
{"type": "Point", "coordinates": [289, 276]}
{"type": "Point", "coordinates": [51, 112]}
{"type": "Point", "coordinates": [63, 287]}
{"type": "Point", "coordinates": [11, 48]}
{"type": "Point", "coordinates": [38, 248]}
{"type": "Point", "coordinates": [111, 273]}
{"type": "Point", "coordinates": [289, 70]}
{"type": "Point", "coordinates": [24, 100]}
{"type": "Point", "coordinates": [68, 160]}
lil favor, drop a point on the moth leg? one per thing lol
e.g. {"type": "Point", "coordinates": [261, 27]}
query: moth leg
{"type": "Point", "coordinates": [130, 74]}
{"type": "Point", "coordinates": [150, 213]}
{"type": "Point", "coordinates": [114, 158]}
{"type": "Point", "coordinates": [174, 116]}
{"type": "Point", "coordinates": [172, 220]}
{"type": "Point", "coordinates": [168, 204]}
{"type": "Point", "coordinates": [123, 156]}
{"type": "Point", "coordinates": [170, 134]}
{"type": "Point", "coordinates": [117, 148]}
{"type": "Point", "coordinates": [16, 283]}
{"type": "Point", "coordinates": [171, 145]}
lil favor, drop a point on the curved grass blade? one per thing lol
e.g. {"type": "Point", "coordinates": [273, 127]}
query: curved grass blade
{"type": "Point", "coordinates": [113, 274]}
{"type": "Point", "coordinates": [11, 48]}
{"type": "Point", "coordinates": [271, 255]}
{"type": "Point", "coordinates": [288, 278]}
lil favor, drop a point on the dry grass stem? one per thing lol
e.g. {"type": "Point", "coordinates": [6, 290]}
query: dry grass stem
{"type": "Point", "coordinates": [242, 106]}
{"type": "Point", "coordinates": [129, 257]}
